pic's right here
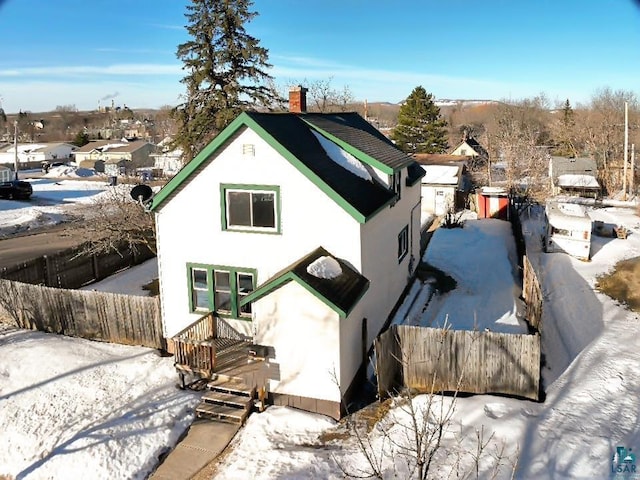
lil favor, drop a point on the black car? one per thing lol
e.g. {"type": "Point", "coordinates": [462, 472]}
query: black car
{"type": "Point", "coordinates": [16, 189]}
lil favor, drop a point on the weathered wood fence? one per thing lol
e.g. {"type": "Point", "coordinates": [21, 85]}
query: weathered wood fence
{"type": "Point", "coordinates": [435, 360]}
{"type": "Point", "coordinates": [71, 268]}
{"type": "Point", "coordinates": [532, 294]}
{"type": "Point", "coordinates": [109, 317]}
{"type": "Point", "coordinates": [432, 360]}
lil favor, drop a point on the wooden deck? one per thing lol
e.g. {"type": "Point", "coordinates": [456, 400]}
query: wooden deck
{"type": "Point", "coordinates": [210, 349]}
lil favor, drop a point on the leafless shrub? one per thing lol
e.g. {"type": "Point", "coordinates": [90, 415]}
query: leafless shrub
{"type": "Point", "coordinates": [115, 219]}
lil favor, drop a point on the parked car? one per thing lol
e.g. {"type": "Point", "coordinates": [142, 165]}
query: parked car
{"type": "Point", "coordinates": [16, 189]}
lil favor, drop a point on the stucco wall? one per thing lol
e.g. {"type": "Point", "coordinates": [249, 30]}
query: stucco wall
{"type": "Point", "coordinates": [305, 335]}
{"type": "Point", "coordinates": [189, 225]}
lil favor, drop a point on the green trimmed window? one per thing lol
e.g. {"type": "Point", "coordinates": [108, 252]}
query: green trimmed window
{"type": "Point", "coordinates": [250, 208]}
{"type": "Point", "coordinates": [403, 243]}
{"type": "Point", "coordinates": [220, 289]}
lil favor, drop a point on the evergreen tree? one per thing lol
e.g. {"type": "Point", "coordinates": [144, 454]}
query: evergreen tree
{"type": "Point", "coordinates": [420, 128]}
{"type": "Point", "coordinates": [225, 72]}
{"type": "Point", "coordinates": [81, 139]}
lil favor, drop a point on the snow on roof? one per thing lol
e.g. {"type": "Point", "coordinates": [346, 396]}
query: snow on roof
{"type": "Point", "coordinates": [494, 190]}
{"type": "Point", "coordinates": [113, 145]}
{"type": "Point", "coordinates": [325, 267]}
{"type": "Point", "coordinates": [568, 216]}
{"type": "Point", "coordinates": [577, 180]}
{"type": "Point", "coordinates": [27, 147]}
{"type": "Point", "coordinates": [441, 174]}
{"type": "Point", "coordinates": [342, 158]}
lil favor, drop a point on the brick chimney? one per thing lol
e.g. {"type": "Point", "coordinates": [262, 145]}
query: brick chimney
{"type": "Point", "coordinates": [298, 99]}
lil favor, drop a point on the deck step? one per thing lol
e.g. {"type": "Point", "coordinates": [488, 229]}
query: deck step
{"type": "Point", "coordinates": [228, 399]}
{"type": "Point", "coordinates": [232, 385]}
{"type": "Point", "coordinates": [221, 412]}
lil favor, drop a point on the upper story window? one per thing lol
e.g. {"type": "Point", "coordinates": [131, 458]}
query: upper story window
{"type": "Point", "coordinates": [395, 182]}
{"type": "Point", "coordinates": [251, 208]}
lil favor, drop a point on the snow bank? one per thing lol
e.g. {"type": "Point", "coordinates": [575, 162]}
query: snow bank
{"type": "Point", "coordinates": [70, 172]}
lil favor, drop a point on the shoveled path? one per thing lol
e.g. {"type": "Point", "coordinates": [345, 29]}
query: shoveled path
{"type": "Point", "coordinates": [204, 441]}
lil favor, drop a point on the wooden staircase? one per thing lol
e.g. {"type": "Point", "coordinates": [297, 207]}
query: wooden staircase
{"type": "Point", "coordinates": [227, 399]}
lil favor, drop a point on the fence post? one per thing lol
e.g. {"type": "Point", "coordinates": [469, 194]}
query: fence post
{"type": "Point", "coordinates": [49, 272]}
{"type": "Point", "coordinates": [95, 267]}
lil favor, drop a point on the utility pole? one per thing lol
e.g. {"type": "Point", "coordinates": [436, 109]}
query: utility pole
{"type": "Point", "coordinates": [633, 167]}
{"type": "Point", "coordinates": [626, 150]}
{"type": "Point", "coordinates": [15, 147]}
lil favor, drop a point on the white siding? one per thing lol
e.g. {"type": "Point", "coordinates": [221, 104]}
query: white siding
{"type": "Point", "coordinates": [189, 225]}
{"type": "Point", "coordinates": [305, 335]}
{"type": "Point", "coordinates": [389, 277]}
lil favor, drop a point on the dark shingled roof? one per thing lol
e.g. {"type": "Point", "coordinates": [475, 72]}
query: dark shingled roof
{"type": "Point", "coordinates": [576, 166]}
{"type": "Point", "coordinates": [295, 135]}
{"type": "Point", "coordinates": [357, 132]}
{"type": "Point", "coordinates": [341, 293]}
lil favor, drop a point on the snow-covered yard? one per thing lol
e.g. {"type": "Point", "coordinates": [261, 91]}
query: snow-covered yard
{"type": "Point", "coordinates": [72, 409]}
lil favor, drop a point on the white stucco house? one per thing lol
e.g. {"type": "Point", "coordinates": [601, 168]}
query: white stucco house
{"type": "Point", "coordinates": [299, 232]}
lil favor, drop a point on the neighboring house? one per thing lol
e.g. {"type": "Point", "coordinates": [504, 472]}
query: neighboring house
{"type": "Point", "coordinates": [300, 232]}
{"type": "Point", "coordinates": [469, 147]}
{"type": "Point", "coordinates": [112, 156]}
{"type": "Point", "coordinates": [31, 155]}
{"type": "Point", "coordinates": [169, 161]}
{"type": "Point", "coordinates": [574, 176]}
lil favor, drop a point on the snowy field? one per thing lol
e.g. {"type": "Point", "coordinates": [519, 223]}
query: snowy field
{"type": "Point", "coordinates": [107, 411]}
{"type": "Point", "coordinates": [56, 195]}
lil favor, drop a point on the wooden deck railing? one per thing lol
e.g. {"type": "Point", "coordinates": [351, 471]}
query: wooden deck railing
{"type": "Point", "coordinates": [195, 346]}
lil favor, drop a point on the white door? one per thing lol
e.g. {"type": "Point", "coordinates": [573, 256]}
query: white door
{"type": "Point", "coordinates": [441, 202]}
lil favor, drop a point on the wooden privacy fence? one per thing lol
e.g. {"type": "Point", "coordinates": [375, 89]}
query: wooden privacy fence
{"type": "Point", "coordinates": [431, 360]}
{"type": "Point", "coordinates": [71, 268]}
{"type": "Point", "coordinates": [435, 360]}
{"type": "Point", "coordinates": [109, 317]}
{"type": "Point", "coordinates": [532, 294]}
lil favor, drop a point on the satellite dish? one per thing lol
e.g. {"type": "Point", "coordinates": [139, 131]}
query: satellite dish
{"type": "Point", "coordinates": [141, 193]}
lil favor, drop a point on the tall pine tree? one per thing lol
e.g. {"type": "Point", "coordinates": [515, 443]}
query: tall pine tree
{"type": "Point", "coordinates": [226, 72]}
{"type": "Point", "coordinates": [420, 128]}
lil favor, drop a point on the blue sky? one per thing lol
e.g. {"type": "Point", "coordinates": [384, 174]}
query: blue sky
{"type": "Point", "coordinates": [84, 51]}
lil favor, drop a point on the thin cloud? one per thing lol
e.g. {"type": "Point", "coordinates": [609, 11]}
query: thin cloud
{"type": "Point", "coordinates": [164, 26]}
{"type": "Point", "coordinates": [90, 70]}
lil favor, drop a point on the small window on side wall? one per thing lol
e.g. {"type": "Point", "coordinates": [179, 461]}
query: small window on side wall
{"type": "Point", "coordinates": [403, 243]}
{"type": "Point", "coordinates": [396, 182]}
